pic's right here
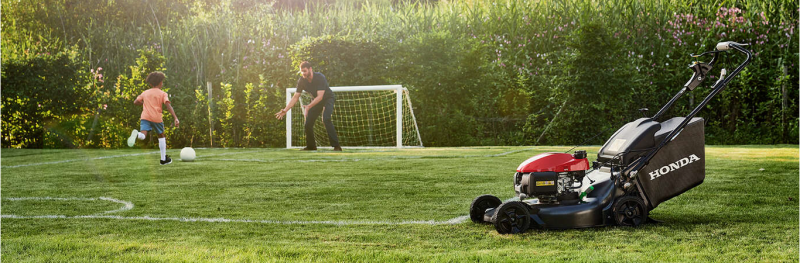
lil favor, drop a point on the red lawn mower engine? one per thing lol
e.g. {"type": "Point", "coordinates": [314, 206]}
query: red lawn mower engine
{"type": "Point", "coordinates": [552, 177]}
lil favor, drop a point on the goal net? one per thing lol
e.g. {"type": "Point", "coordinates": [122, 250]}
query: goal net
{"type": "Point", "coordinates": [364, 116]}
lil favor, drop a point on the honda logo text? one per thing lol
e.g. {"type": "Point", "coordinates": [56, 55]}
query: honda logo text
{"type": "Point", "coordinates": [673, 166]}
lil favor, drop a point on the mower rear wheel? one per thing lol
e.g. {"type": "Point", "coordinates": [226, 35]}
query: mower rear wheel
{"type": "Point", "coordinates": [512, 218]}
{"type": "Point", "coordinates": [478, 207]}
{"type": "Point", "coordinates": [630, 211]}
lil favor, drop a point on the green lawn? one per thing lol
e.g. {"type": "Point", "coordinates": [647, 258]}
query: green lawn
{"type": "Point", "coordinates": [265, 205]}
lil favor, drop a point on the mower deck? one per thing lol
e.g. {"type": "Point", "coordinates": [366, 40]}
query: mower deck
{"type": "Point", "coordinates": [594, 210]}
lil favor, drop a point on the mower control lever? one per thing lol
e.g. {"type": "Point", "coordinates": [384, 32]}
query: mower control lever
{"type": "Point", "coordinates": [721, 76]}
{"type": "Point", "coordinates": [700, 70]}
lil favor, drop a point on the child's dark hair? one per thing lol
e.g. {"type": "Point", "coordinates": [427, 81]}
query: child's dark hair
{"type": "Point", "coordinates": [155, 78]}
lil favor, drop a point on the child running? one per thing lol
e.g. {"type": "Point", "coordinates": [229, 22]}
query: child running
{"type": "Point", "coordinates": [151, 120]}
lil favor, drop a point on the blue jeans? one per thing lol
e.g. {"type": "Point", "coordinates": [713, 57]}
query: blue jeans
{"type": "Point", "coordinates": [313, 114]}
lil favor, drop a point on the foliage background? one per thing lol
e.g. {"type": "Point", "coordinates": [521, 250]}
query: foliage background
{"type": "Point", "coordinates": [506, 72]}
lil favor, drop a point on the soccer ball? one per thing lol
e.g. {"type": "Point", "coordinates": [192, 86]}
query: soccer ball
{"type": "Point", "coordinates": [187, 154]}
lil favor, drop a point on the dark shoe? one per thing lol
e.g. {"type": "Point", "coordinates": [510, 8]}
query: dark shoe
{"type": "Point", "coordinates": [308, 149]}
{"type": "Point", "coordinates": [167, 161]}
{"type": "Point", "coordinates": [337, 148]}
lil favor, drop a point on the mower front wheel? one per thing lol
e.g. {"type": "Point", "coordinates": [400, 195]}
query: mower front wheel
{"type": "Point", "coordinates": [512, 218]}
{"type": "Point", "coordinates": [479, 206]}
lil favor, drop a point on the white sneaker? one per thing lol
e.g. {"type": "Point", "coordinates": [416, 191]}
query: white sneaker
{"type": "Point", "coordinates": [132, 139]}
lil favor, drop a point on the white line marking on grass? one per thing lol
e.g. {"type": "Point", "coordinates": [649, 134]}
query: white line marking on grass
{"type": "Point", "coordinates": [453, 221]}
{"type": "Point", "coordinates": [125, 204]}
{"type": "Point", "coordinates": [251, 151]}
{"type": "Point", "coordinates": [395, 157]}
{"type": "Point", "coordinates": [129, 206]}
{"type": "Point", "coordinates": [457, 220]}
{"type": "Point", "coordinates": [50, 198]}
{"type": "Point", "coordinates": [258, 160]}
{"type": "Point", "coordinates": [288, 160]}
{"type": "Point", "coordinates": [83, 159]}
{"type": "Point", "coordinates": [509, 152]}
{"type": "Point", "coordinates": [108, 157]}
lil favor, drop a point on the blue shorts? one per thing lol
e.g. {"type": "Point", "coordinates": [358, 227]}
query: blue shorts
{"type": "Point", "coordinates": [146, 125]}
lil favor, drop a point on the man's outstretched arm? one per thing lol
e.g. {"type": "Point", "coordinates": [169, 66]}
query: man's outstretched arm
{"type": "Point", "coordinates": [293, 101]}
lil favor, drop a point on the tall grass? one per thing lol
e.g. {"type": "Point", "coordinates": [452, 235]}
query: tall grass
{"type": "Point", "coordinates": [508, 57]}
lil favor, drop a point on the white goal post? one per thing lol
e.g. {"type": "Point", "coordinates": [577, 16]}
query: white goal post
{"type": "Point", "coordinates": [364, 116]}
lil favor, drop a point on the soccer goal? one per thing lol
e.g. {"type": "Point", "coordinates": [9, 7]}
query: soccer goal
{"type": "Point", "coordinates": [364, 116]}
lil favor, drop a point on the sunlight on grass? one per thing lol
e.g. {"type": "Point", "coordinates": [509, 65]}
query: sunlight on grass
{"type": "Point", "coordinates": [740, 212]}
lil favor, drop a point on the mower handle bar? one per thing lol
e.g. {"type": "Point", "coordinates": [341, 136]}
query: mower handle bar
{"type": "Point", "coordinates": [723, 46]}
{"type": "Point", "coordinates": [720, 85]}
{"type": "Point", "coordinates": [699, 74]}
{"type": "Point", "coordinates": [700, 70]}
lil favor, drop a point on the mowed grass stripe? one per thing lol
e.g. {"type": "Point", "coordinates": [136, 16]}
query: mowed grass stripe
{"type": "Point", "coordinates": [740, 213]}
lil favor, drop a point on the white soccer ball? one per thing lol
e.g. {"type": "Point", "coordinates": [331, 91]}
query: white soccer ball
{"type": "Point", "coordinates": [187, 154]}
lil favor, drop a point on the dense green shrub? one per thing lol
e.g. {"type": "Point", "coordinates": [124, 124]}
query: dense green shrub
{"type": "Point", "coordinates": [592, 89]}
{"type": "Point", "coordinates": [508, 72]}
{"type": "Point", "coordinates": [44, 96]}
{"type": "Point", "coordinates": [449, 82]}
{"type": "Point", "coordinates": [343, 60]}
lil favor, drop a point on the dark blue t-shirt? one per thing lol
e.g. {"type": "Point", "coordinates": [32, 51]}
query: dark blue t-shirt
{"type": "Point", "coordinates": [319, 82]}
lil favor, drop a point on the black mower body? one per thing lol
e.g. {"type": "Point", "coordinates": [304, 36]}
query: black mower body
{"type": "Point", "coordinates": [593, 211]}
{"type": "Point", "coordinates": [596, 209]}
{"type": "Point", "coordinates": [633, 139]}
{"type": "Point", "coordinates": [643, 164]}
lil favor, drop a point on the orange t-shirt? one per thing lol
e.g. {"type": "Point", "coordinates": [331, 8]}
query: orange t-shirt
{"type": "Point", "coordinates": [151, 110]}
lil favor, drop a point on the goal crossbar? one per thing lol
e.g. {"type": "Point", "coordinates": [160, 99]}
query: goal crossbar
{"type": "Point", "coordinates": [356, 88]}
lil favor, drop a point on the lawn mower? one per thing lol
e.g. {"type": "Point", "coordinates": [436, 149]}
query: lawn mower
{"type": "Point", "coordinates": [643, 164]}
